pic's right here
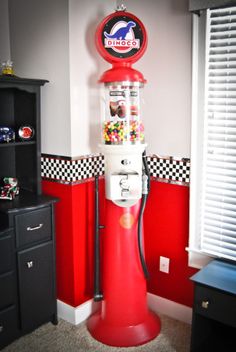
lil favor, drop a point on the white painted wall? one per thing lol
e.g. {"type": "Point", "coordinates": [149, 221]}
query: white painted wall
{"type": "Point", "coordinates": [85, 68]}
{"type": "Point", "coordinates": [5, 53]}
{"type": "Point", "coordinates": [39, 36]}
{"type": "Point", "coordinates": [54, 39]}
{"type": "Point", "coordinates": [166, 65]}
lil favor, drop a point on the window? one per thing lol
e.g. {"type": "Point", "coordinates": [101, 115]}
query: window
{"type": "Point", "coordinates": [213, 156]}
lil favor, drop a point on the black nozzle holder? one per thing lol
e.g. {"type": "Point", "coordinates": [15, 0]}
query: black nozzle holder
{"type": "Point", "coordinates": [98, 296]}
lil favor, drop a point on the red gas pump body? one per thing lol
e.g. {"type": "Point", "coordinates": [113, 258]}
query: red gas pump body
{"type": "Point", "coordinates": [124, 318]}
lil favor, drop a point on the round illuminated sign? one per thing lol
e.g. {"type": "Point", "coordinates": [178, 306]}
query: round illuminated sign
{"type": "Point", "coordinates": [121, 37]}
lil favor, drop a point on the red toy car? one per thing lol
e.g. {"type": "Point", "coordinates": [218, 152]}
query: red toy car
{"type": "Point", "coordinates": [119, 108]}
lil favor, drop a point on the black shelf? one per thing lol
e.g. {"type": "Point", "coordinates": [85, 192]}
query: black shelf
{"type": "Point", "coordinates": [25, 200]}
{"type": "Point", "coordinates": [15, 80]}
{"type": "Point", "coordinates": [20, 106]}
{"type": "Point", "coordinates": [15, 144]}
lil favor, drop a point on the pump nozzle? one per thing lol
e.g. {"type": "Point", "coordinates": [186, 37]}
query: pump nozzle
{"type": "Point", "coordinates": [145, 184]}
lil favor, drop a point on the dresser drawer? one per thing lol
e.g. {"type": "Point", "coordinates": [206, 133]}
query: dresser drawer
{"type": "Point", "coordinates": [8, 326]}
{"type": "Point", "coordinates": [33, 226]}
{"type": "Point", "coordinates": [215, 304]}
{"type": "Point", "coordinates": [7, 290]}
{"type": "Point", "coordinates": [36, 284]}
{"type": "Point", "coordinates": [6, 253]}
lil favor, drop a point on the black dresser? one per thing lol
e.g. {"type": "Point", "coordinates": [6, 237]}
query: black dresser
{"type": "Point", "coordinates": [27, 241]}
{"type": "Point", "coordinates": [27, 266]}
{"type": "Point", "coordinates": [214, 310]}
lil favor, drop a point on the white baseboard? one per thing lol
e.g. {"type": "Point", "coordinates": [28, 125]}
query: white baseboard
{"type": "Point", "coordinates": [172, 309]}
{"type": "Point", "coordinates": [76, 315]}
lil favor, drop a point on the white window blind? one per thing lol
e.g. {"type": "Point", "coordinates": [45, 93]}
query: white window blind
{"type": "Point", "coordinates": [218, 196]}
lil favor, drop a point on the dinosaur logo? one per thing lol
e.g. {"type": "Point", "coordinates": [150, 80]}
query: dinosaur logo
{"type": "Point", "coordinates": [122, 32]}
{"type": "Point", "coordinates": [121, 38]}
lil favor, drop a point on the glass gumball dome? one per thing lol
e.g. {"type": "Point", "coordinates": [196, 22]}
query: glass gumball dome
{"type": "Point", "coordinates": [121, 113]}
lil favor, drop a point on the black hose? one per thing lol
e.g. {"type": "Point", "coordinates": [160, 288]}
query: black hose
{"type": "Point", "coordinates": [146, 190]}
{"type": "Point", "coordinates": [140, 236]}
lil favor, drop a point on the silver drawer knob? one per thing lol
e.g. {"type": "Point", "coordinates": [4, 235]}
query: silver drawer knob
{"type": "Point", "coordinates": [205, 304]}
{"type": "Point", "coordinates": [1, 328]}
{"type": "Point", "coordinates": [30, 264]}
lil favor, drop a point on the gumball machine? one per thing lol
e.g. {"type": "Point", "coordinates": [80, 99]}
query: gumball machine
{"type": "Point", "coordinates": [124, 318]}
{"type": "Point", "coordinates": [123, 141]}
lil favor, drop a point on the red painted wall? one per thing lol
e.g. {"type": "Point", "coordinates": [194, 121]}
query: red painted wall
{"type": "Point", "coordinates": [166, 223]}
{"type": "Point", "coordinates": [165, 233]}
{"type": "Point", "coordinates": [74, 239]}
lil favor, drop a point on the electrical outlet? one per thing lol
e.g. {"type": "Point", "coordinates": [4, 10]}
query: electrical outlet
{"type": "Point", "coordinates": [164, 264]}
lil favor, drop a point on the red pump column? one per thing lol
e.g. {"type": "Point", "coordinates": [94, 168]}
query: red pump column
{"type": "Point", "coordinates": [124, 318]}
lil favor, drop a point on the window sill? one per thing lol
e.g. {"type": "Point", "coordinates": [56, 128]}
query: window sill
{"type": "Point", "coordinates": [197, 259]}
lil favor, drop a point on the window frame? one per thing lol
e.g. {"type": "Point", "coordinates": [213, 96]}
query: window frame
{"type": "Point", "coordinates": [196, 258]}
{"type": "Point", "coordinates": [200, 43]}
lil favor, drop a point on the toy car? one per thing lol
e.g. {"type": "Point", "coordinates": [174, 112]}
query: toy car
{"type": "Point", "coordinates": [119, 108]}
{"type": "Point", "coordinates": [7, 134]}
{"type": "Point", "coordinates": [9, 189]}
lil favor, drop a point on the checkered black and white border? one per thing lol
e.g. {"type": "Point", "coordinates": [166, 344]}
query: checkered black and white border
{"type": "Point", "coordinates": [69, 170]}
{"type": "Point", "coordinates": [169, 169]}
{"type": "Point", "coordinates": [75, 170]}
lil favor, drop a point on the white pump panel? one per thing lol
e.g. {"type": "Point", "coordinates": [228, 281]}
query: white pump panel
{"type": "Point", "coordinates": [123, 173]}
{"type": "Point", "coordinates": [124, 186]}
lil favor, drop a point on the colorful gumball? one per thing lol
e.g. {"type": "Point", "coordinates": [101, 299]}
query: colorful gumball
{"type": "Point", "coordinates": [120, 132]}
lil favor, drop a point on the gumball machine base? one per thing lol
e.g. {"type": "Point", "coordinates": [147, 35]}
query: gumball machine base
{"type": "Point", "coordinates": [124, 336]}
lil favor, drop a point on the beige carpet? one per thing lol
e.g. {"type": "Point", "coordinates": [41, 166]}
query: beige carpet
{"type": "Point", "coordinates": [174, 337]}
